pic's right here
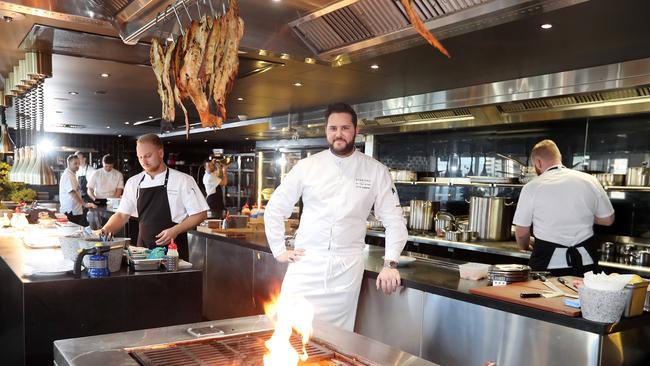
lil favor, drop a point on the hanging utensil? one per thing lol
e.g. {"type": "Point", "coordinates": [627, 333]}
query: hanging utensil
{"type": "Point", "coordinates": [484, 171]}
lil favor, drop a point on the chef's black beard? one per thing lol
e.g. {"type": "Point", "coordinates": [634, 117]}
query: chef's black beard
{"type": "Point", "coordinates": [344, 151]}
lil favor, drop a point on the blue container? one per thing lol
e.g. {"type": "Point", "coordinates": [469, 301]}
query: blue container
{"type": "Point", "coordinates": [98, 265]}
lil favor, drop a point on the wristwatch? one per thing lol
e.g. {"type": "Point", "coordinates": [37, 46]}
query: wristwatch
{"type": "Point", "coordinates": [390, 264]}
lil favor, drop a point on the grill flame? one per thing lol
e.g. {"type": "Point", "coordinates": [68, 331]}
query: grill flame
{"type": "Point", "coordinates": [288, 313]}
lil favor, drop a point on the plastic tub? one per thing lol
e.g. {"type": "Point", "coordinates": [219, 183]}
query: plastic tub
{"type": "Point", "coordinates": [602, 306]}
{"type": "Point", "coordinates": [473, 271]}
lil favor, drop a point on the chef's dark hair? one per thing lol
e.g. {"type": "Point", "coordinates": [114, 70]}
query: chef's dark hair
{"type": "Point", "coordinates": [70, 158]}
{"type": "Point", "coordinates": [341, 108]}
{"type": "Point", "coordinates": [108, 159]}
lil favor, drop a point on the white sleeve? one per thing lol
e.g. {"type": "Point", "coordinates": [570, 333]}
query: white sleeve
{"type": "Point", "coordinates": [280, 207]}
{"type": "Point", "coordinates": [128, 203]}
{"type": "Point", "coordinates": [192, 198]}
{"type": "Point", "coordinates": [524, 211]}
{"type": "Point", "coordinates": [604, 206]}
{"type": "Point", "coordinates": [66, 184]}
{"type": "Point", "coordinates": [389, 211]}
{"type": "Point", "coordinates": [120, 183]}
{"type": "Point", "coordinates": [91, 181]}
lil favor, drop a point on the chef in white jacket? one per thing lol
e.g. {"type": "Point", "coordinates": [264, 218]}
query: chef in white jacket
{"type": "Point", "coordinates": [338, 186]}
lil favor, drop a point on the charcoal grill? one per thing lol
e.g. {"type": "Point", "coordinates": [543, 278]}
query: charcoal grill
{"type": "Point", "coordinates": [238, 350]}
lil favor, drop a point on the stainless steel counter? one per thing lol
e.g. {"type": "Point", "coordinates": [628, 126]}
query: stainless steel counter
{"type": "Point", "coordinates": [109, 349]}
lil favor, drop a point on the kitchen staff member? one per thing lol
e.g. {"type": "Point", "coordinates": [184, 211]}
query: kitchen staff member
{"type": "Point", "coordinates": [84, 173]}
{"type": "Point", "coordinates": [213, 180]}
{"type": "Point", "coordinates": [562, 205]}
{"type": "Point", "coordinates": [106, 182]}
{"type": "Point", "coordinates": [338, 187]}
{"type": "Point", "coordinates": [71, 203]}
{"type": "Point", "coordinates": [166, 202]}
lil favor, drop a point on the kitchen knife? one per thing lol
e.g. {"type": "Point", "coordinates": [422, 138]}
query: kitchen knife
{"type": "Point", "coordinates": [552, 286]}
{"type": "Point", "coordinates": [565, 283]}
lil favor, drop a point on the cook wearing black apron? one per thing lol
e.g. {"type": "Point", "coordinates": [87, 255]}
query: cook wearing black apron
{"type": "Point", "coordinates": [154, 216]}
{"type": "Point", "coordinates": [83, 185]}
{"type": "Point", "coordinates": [543, 252]}
{"type": "Point", "coordinates": [215, 201]}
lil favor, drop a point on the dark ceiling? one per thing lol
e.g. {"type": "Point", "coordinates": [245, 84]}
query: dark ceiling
{"type": "Point", "coordinates": [592, 33]}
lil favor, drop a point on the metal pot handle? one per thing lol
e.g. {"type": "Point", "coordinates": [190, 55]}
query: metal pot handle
{"type": "Point", "coordinates": [510, 203]}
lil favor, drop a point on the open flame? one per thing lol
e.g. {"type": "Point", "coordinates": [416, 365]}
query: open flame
{"type": "Point", "coordinates": [288, 313]}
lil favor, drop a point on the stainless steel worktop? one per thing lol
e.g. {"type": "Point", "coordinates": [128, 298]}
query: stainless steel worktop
{"type": "Point", "coordinates": [109, 349]}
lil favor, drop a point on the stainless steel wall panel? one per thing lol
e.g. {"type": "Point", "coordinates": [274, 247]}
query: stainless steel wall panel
{"type": "Point", "coordinates": [395, 320]}
{"type": "Point", "coordinates": [460, 333]}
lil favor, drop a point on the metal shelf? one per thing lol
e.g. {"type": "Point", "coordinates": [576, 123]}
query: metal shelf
{"type": "Point", "coordinates": [461, 184]}
{"type": "Point", "coordinates": [627, 188]}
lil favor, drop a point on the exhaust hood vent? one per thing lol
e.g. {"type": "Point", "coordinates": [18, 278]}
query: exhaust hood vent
{"type": "Point", "coordinates": [432, 116]}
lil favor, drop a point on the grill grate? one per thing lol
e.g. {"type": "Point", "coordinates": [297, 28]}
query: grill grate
{"type": "Point", "coordinates": [239, 350]}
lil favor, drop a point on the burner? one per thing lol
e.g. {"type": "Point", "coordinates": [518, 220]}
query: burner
{"type": "Point", "coordinates": [238, 350]}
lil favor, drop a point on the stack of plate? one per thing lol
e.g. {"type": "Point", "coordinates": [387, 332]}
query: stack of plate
{"type": "Point", "coordinates": [503, 274]}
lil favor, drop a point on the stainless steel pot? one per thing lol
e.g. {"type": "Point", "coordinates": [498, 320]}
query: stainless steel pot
{"type": "Point", "coordinates": [491, 217]}
{"type": "Point", "coordinates": [608, 249]}
{"type": "Point", "coordinates": [422, 213]}
{"type": "Point", "coordinates": [642, 258]}
{"type": "Point", "coordinates": [444, 222]}
{"type": "Point", "coordinates": [452, 235]}
{"type": "Point", "coordinates": [638, 176]}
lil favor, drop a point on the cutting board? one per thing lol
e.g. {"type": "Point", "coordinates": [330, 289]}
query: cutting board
{"type": "Point", "coordinates": [231, 233]}
{"type": "Point", "coordinates": [510, 293]}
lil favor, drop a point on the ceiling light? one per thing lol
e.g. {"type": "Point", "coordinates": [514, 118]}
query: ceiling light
{"type": "Point", "coordinates": [240, 99]}
{"type": "Point", "coordinates": [247, 138]}
{"type": "Point", "coordinates": [119, 135]}
{"type": "Point", "coordinates": [150, 117]}
{"type": "Point", "coordinates": [205, 140]}
{"type": "Point", "coordinates": [297, 84]}
{"type": "Point", "coordinates": [104, 75]}
{"type": "Point", "coordinates": [73, 93]}
{"type": "Point", "coordinates": [127, 122]}
{"type": "Point", "coordinates": [374, 66]}
{"type": "Point", "coordinates": [108, 126]}
{"type": "Point", "coordinates": [309, 60]}
{"type": "Point", "coordinates": [547, 26]}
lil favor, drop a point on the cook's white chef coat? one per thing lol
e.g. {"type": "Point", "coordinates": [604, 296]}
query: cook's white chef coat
{"type": "Point", "coordinates": [68, 187]}
{"type": "Point", "coordinates": [561, 205]}
{"type": "Point", "coordinates": [185, 197]}
{"type": "Point", "coordinates": [211, 182]}
{"type": "Point", "coordinates": [106, 183]}
{"type": "Point", "coordinates": [86, 171]}
{"type": "Point", "coordinates": [337, 195]}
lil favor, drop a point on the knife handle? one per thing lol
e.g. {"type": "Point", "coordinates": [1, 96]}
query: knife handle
{"type": "Point", "coordinates": [527, 295]}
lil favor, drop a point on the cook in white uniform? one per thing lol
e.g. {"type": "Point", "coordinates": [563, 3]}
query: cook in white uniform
{"type": "Point", "coordinates": [338, 186]}
{"type": "Point", "coordinates": [84, 173]}
{"type": "Point", "coordinates": [562, 205]}
{"type": "Point", "coordinates": [71, 203]}
{"type": "Point", "coordinates": [166, 202]}
{"type": "Point", "coordinates": [213, 179]}
{"type": "Point", "coordinates": [106, 182]}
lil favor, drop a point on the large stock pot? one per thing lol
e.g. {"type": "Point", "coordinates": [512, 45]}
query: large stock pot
{"type": "Point", "coordinates": [491, 217]}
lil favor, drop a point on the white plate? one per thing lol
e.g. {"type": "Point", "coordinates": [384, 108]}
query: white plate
{"type": "Point", "coordinates": [404, 260]}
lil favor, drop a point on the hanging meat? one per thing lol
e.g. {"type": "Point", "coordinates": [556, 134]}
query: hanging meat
{"type": "Point", "coordinates": [200, 66]}
{"type": "Point", "coordinates": [419, 26]}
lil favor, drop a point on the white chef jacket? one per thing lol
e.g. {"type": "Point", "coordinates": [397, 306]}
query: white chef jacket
{"type": "Point", "coordinates": [211, 182]}
{"type": "Point", "coordinates": [86, 171]}
{"type": "Point", "coordinates": [106, 183]}
{"type": "Point", "coordinates": [337, 195]}
{"type": "Point", "coordinates": [561, 205]}
{"type": "Point", "coordinates": [184, 195]}
{"type": "Point", "coordinates": [68, 185]}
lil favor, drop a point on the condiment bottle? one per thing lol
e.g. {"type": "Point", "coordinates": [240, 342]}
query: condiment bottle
{"type": "Point", "coordinates": [171, 258]}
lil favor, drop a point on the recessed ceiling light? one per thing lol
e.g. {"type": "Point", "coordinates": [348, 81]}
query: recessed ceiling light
{"type": "Point", "coordinates": [119, 135]}
{"type": "Point", "coordinates": [104, 75]}
{"type": "Point", "coordinates": [297, 84]}
{"type": "Point", "coordinates": [247, 138]}
{"type": "Point", "coordinates": [205, 140]}
{"type": "Point", "coordinates": [240, 99]}
{"type": "Point", "coordinates": [547, 26]}
{"type": "Point", "coordinates": [73, 93]}
{"type": "Point", "coordinates": [127, 122]}
{"type": "Point", "coordinates": [108, 126]}
{"type": "Point", "coordinates": [150, 117]}
{"type": "Point", "coordinates": [374, 66]}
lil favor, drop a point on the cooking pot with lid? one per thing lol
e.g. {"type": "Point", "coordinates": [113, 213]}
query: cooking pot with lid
{"type": "Point", "coordinates": [444, 222]}
{"type": "Point", "coordinates": [638, 176]}
{"type": "Point", "coordinates": [421, 214]}
{"type": "Point", "coordinates": [491, 217]}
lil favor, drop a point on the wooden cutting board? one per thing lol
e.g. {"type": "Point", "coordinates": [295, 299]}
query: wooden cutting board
{"type": "Point", "coordinates": [510, 293]}
{"type": "Point", "coordinates": [231, 233]}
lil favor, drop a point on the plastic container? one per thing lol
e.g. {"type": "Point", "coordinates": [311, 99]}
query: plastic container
{"type": "Point", "coordinates": [171, 258]}
{"type": "Point", "coordinates": [602, 306]}
{"type": "Point", "coordinates": [473, 271]}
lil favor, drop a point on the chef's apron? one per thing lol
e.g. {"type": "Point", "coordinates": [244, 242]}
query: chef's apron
{"type": "Point", "coordinates": [215, 202]}
{"type": "Point", "coordinates": [543, 252]}
{"type": "Point", "coordinates": [154, 216]}
{"type": "Point", "coordinates": [330, 281]}
{"type": "Point", "coordinates": [83, 186]}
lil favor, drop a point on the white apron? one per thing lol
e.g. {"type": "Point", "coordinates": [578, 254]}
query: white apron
{"type": "Point", "coordinates": [328, 281]}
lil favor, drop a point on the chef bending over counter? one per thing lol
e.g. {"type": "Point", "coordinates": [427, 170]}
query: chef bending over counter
{"type": "Point", "coordinates": [166, 202]}
{"type": "Point", "coordinates": [338, 187]}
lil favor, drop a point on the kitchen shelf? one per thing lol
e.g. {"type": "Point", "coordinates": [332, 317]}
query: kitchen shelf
{"type": "Point", "coordinates": [461, 184]}
{"type": "Point", "coordinates": [627, 188]}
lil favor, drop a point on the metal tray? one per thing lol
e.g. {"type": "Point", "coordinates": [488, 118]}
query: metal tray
{"type": "Point", "coordinates": [141, 263]}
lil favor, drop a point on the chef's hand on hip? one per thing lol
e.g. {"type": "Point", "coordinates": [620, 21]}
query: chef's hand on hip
{"type": "Point", "coordinates": [388, 280]}
{"type": "Point", "coordinates": [166, 236]}
{"type": "Point", "coordinates": [290, 256]}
